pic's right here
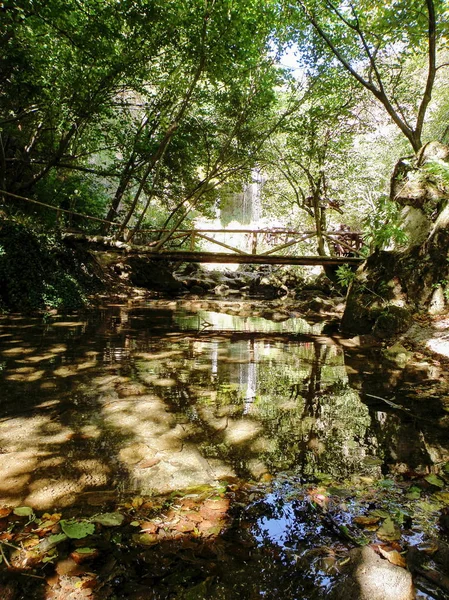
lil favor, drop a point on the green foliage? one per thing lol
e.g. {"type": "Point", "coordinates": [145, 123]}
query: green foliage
{"type": "Point", "coordinates": [140, 111]}
{"type": "Point", "coordinates": [387, 48]}
{"type": "Point", "coordinates": [77, 529]}
{"type": "Point", "coordinates": [382, 225]}
{"type": "Point", "coordinates": [439, 171]}
{"type": "Point", "coordinates": [38, 272]}
{"type": "Point", "coordinates": [78, 192]}
{"type": "Point", "coordinates": [145, 99]}
{"type": "Point", "coordinates": [345, 275]}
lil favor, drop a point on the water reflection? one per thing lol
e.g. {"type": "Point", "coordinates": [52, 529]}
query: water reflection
{"type": "Point", "coordinates": [153, 399]}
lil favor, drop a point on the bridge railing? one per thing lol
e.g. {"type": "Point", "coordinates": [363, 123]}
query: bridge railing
{"type": "Point", "coordinates": [262, 242]}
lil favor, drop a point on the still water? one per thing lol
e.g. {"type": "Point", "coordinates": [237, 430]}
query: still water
{"type": "Point", "coordinates": [163, 397]}
{"type": "Point", "coordinates": [140, 401]}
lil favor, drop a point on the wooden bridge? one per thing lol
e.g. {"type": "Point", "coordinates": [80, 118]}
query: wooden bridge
{"type": "Point", "coordinates": [257, 246]}
{"type": "Point", "coordinates": [251, 246]}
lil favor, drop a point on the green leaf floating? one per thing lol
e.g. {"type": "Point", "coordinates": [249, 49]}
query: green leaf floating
{"type": "Point", "coordinates": [109, 519]}
{"type": "Point", "coordinates": [434, 480]}
{"type": "Point", "coordinates": [389, 531]}
{"type": "Point", "coordinates": [56, 538]}
{"type": "Point", "coordinates": [23, 511]}
{"type": "Point", "coordinates": [77, 529]}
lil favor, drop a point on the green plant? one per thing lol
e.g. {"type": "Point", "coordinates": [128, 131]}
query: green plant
{"type": "Point", "coordinates": [345, 275]}
{"type": "Point", "coordinates": [439, 170]}
{"type": "Point", "coordinates": [382, 225]}
{"type": "Point", "coordinates": [38, 271]}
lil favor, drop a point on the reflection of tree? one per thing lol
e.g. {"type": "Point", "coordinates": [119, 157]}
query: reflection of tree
{"type": "Point", "coordinates": [99, 389]}
{"type": "Point", "coordinates": [412, 439]}
{"type": "Point", "coordinates": [306, 417]}
{"type": "Point", "coordinates": [317, 432]}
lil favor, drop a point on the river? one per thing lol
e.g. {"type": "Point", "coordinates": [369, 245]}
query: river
{"type": "Point", "coordinates": [143, 401]}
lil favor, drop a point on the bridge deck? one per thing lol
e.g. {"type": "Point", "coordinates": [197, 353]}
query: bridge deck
{"type": "Point", "coordinates": [258, 259]}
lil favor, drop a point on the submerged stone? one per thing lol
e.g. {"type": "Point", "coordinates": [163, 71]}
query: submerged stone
{"type": "Point", "coordinates": [369, 577]}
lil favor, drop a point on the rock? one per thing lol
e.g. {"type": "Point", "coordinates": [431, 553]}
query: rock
{"type": "Point", "coordinates": [152, 275]}
{"type": "Point", "coordinates": [392, 320]}
{"type": "Point", "coordinates": [398, 355]}
{"type": "Point", "coordinates": [135, 453]}
{"type": "Point", "coordinates": [369, 577]}
{"type": "Point", "coordinates": [438, 301]}
{"type": "Point", "coordinates": [222, 290]}
{"type": "Point", "coordinates": [416, 223]}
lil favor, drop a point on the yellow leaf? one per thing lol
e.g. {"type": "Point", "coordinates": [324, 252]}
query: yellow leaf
{"type": "Point", "coordinates": [366, 521]}
{"type": "Point", "coordinates": [393, 556]}
{"type": "Point", "coordinates": [389, 531]}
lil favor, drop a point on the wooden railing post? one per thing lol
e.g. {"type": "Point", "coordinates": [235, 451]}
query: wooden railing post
{"type": "Point", "coordinates": [192, 240]}
{"type": "Point", "coordinates": [254, 242]}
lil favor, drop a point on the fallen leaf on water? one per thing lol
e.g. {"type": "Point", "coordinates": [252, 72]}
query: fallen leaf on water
{"type": "Point", "coordinates": [434, 480]}
{"type": "Point", "coordinates": [146, 464]}
{"type": "Point", "coordinates": [192, 516]}
{"type": "Point", "coordinates": [109, 519]}
{"type": "Point", "coordinates": [366, 521]}
{"type": "Point", "coordinates": [389, 531]}
{"type": "Point", "coordinates": [378, 512]}
{"type": "Point", "coordinates": [413, 493]}
{"type": "Point", "coordinates": [23, 511]}
{"type": "Point", "coordinates": [393, 556]}
{"type": "Point", "coordinates": [443, 497]}
{"type": "Point", "coordinates": [148, 527]}
{"type": "Point", "coordinates": [77, 529]}
{"type": "Point", "coordinates": [81, 555]}
{"type": "Point", "coordinates": [145, 539]}
{"type": "Point", "coordinates": [184, 526]}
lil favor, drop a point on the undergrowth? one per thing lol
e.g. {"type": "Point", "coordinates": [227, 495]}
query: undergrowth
{"type": "Point", "coordinates": [38, 272]}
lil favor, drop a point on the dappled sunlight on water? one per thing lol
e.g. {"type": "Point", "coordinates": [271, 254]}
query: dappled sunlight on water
{"type": "Point", "coordinates": [152, 399]}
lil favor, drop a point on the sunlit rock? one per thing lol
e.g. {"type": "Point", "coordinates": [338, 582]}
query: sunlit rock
{"type": "Point", "coordinates": [135, 453]}
{"type": "Point", "coordinates": [241, 431]}
{"type": "Point", "coordinates": [369, 577]}
{"type": "Point", "coordinates": [397, 354]}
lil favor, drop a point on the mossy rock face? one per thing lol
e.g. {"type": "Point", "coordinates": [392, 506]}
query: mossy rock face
{"type": "Point", "coordinates": [416, 183]}
{"type": "Point", "coordinates": [391, 285]}
{"type": "Point", "coordinates": [358, 317]}
{"type": "Point", "coordinates": [398, 355]}
{"type": "Point", "coordinates": [392, 321]}
{"type": "Point", "coordinates": [376, 286]}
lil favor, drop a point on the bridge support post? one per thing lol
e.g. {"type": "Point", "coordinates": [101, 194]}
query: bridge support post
{"type": "Point", "coordinates": [254, 242]}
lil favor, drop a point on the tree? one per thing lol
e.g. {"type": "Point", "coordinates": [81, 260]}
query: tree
{"type": "Point", "coordinates": [374, 42]}
{"type": "Point", "coordinates": [313, 153]}
{"type": "Point", "coordinates": [104, 88]}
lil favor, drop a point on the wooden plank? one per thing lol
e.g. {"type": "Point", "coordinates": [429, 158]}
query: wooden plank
{"type": "Point", "coordinates": [287, 244]}
{"type": "Point", "coordinates": [209, 239]}
{"type": "Point", "coordinates": [221, 257]}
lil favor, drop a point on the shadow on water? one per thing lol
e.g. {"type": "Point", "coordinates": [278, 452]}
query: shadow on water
{"type": "Point", "coordinates": [148, 401]}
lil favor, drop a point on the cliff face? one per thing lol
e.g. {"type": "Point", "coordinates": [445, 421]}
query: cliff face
{"type": "Point", "coordinates": [390, 286]}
